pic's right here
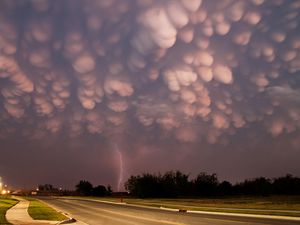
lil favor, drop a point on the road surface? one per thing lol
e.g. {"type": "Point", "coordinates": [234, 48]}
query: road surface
{"type": "Point", "coordinates": [98, 213]}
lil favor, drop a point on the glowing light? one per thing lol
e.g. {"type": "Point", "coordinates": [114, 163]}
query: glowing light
{"type": "Point", "coordinates": [3, 192]}
{"type": "Point", "coordinates": [1, 185]}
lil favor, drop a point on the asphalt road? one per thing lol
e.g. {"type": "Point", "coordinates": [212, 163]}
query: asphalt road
{"type": "Point", "coordinates": [97, 213]}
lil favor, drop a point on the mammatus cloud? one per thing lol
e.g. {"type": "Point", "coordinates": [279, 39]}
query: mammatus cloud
{"type": "Point", "coordinates": [192, 70]}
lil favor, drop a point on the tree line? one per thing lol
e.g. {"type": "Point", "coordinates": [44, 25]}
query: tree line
{"type": "Point", "coordinates": [85, 188]}
{"type": "Point", "coordinates": [177, 184]}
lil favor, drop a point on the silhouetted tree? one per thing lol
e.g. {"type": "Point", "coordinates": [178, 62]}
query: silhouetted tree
{"type": "Point", "coordinates": [145, 186]}
{"type": "Point", "coordinates": [84, 188]}
{"type": "Point", "coordinates": [109, 190]}
{"type": "Point", "coordinates": [205, 184]}
{"type": "Point", "coordinates": [182, 183]}
{"type": "Point", "coordinates": [287, 185]}
{"type": "Point", "coordinates": [46, 187]}
{"type": "Point", "coordinates": [256, 186]}
{"type": "Point", "coordinates": [168, 185]}
{"type": "Point", "coordinates": [225, 188]}
{"type": "Point", "coordinates": [99, 190]}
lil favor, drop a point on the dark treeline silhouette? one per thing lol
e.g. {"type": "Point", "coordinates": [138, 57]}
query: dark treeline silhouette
{"type": "Point", "coordinates": [85, 188]}
{"type": "Point", "coordinates": [47, 187]}
{"type": "Point", "coordinates": [177, 184]}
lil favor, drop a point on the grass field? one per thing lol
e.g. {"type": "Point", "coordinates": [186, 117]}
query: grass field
{"type": "Point", "coordinates": [5, 203]}
{"type": "Point", "coordinates": [40, 211]}
{"type": "Point", "coordinates": [274, 205]}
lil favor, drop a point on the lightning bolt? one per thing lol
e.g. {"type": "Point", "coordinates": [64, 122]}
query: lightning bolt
{"type": "Point", "coordinates": [121, 168]}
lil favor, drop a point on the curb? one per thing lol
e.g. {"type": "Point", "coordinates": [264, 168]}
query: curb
{"type": "Point", "coordinates": [169, 209]}
{"type": "Point", "coordinates": [71, 220]}
{"type": "Point", "coordinates": [290, 218]}
{"type": "Point", "coordinates": [173, 210]}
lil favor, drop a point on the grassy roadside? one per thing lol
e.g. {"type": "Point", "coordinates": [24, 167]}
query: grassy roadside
{"type": "Point", "coordinates": [273, 205]}
{"type": "Point", "coordinates": [40, 211]}
{"type": "Point", "coordinates": [6, 202]}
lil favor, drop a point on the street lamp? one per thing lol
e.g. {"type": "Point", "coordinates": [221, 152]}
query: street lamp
{"type": "Point", "coordinates": [3, 188]}
{"type": "Point", "coordinates": [2, 191]}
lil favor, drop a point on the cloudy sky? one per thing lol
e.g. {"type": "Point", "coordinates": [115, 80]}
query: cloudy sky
{"type": "Point", "coordinates": [103, 89]}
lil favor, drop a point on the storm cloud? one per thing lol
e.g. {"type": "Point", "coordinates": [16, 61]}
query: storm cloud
{"type": "Point", "coordinates": [187, 72]}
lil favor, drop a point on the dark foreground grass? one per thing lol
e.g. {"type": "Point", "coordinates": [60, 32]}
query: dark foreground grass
{"type": "Point", "coordinates": [40, 211]}
{"type": "Point", "coordinates": [272, 205]}
{"type": "Point", "coordinates": [6, 202]}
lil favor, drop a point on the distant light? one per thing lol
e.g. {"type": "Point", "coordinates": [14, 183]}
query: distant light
{"type": "Point", "coordinates": [3, 192]}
